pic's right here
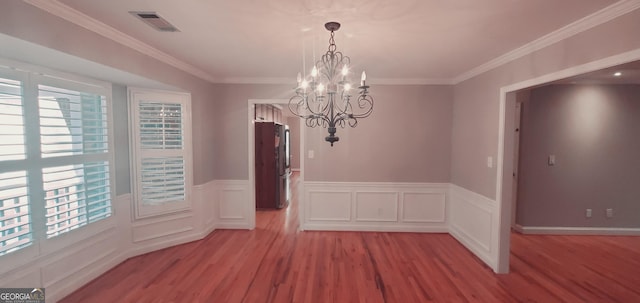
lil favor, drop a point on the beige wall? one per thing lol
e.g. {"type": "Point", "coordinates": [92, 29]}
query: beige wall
{"type": "Point", "coordinates": [29, 23]}
{"type": "Point", "coordinates": [593, 131]}
{"type": "Point", "coordinates": [476, 101]}
{"type": "Point", "coordinates": [407, 138]}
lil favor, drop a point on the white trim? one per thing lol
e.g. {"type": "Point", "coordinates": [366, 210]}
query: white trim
{"type": "Point", "coordinates": [382, 211]}
{"type": "Point", "coordinates": [74, 16]}
{"type": "Point", "coordinates": [505, 227]}
{"type": "Point", "coordinates": [376, 228]}
{"type": "Point", "coordinates": [592, 231]}
{"type": "Point", "coordinates": [602, 16]}
{"type": "Point", "coordinates": [479, 237]}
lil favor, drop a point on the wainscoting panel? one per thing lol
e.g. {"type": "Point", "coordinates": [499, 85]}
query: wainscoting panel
{"type": "Point", "coordinates": [325, 205]}
{"type": "Point", "coordinates": [162, 227]}
{"type": "Point", "coordinates": [424, 207]}
{"type": "Point", "coordinates": [375, 206]}
{"type": "Point", "coordinates": [233, 204]}
{"type": "Point", "coordinates": [473, 222]}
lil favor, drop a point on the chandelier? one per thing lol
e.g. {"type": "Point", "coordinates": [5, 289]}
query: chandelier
{"type": "Point", "coordinates": [325, 97]}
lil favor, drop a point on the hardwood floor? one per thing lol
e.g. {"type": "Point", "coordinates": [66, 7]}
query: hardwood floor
{"type": "Point", "coordinates": [277, 263]}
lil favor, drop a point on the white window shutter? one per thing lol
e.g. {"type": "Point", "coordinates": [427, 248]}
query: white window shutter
{"type": "Point", "coordinates": [161, 139]}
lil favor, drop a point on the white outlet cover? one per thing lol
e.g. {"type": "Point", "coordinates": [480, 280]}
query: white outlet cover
{"type": "Point", "coordinates": [490, 162]}
{"type": "Point", "coordinates": [311, 154]}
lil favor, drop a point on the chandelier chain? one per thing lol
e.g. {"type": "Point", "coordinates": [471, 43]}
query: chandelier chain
{"type": "Point", "coordinates": [332, 43]}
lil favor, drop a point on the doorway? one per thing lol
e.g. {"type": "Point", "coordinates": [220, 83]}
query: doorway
{"type": "Point", "coordinates": [296, 149]}
{"type": "Point", "coordinates": [506, 144]}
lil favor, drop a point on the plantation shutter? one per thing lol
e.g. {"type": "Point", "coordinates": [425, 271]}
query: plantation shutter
{"type": "Point", "coordinates": [74, 133]}
{"type": "Point", "coordinates": [15, 218]}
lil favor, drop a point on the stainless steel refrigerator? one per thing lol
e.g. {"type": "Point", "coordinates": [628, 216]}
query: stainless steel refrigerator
{"type": "Point", "coordinates": [272, 158]}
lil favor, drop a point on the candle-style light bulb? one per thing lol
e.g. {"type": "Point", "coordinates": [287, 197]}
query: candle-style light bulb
{"type": "Point", "coordinates": [304, 84]}
{"type": "Point", "coordinates": [345, 70]}
{"type": "Point", "coordinates": [299, 78]}
{"type": "Point", "coordinates": [347, 87]}
{"type": "Point", "coordinates": [363, 78]}
{"type": "Point", "coordinates": [320, 88]}
{"type": "Point", "coordinates": [314, 72]}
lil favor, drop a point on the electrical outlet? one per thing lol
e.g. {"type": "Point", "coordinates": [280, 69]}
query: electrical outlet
{"type": "Point", "coordinates": [588, 213]}
{"type": "Point", "coordinates": [609, 212]}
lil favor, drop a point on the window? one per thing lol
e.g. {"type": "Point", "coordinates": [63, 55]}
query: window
{"type": "Point", "coordinates": [55, 158]}
{"type": "Point", "coordinates": [161, 150]}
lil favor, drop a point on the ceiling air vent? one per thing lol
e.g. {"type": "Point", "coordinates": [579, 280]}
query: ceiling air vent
{"type": "Point", "coordinates": [155, 21]}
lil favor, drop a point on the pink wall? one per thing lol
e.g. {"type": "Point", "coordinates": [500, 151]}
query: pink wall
{"type": "Point", "coordinates": [407, 138]}
{"type": "Point", "coordinates": [593, 132]}
{"type": "Point", "coordinates": [476, 101]}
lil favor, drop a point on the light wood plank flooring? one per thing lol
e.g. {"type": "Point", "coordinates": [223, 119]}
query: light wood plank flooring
{"type": "Point", "coordinates": [277, 263]}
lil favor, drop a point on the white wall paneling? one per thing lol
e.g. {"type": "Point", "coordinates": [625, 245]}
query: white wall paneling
{"type": "Point", "coordinates": [326, 205]}
{"type": "Point", "coordinates": [473, 220]}
{"type": "Point", "coordinates": [162, 227]}
{"type": "Point", "coordinates": [233, 204]}
{"type": "Point", "coordinates": [373, 206]}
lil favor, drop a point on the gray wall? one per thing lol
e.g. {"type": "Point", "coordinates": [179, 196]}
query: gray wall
{"type": "Point", "coordinates": [231, 118]}
{"type": "Point", "coordinates": [477, 100]}
{"type": "Point", "coordinates": [407, 138]}
{"type": "Point", "coordinates": [294, 129]}
{"type": "Point", "coordinates": [593, 132]}
{"type": "Point", "coordinates": [26, 22]}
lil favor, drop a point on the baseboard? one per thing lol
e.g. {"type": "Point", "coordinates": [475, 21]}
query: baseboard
{"type": "Point", "coordinates": [375, 228]}
{"type": "Point", "coordinates": [592, 231]}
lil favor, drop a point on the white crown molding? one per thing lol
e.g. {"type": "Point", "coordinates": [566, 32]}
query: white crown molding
{"type": "Point", "coordinates": [604, 15]}
{"type": "Point", "coordinates": [379, 81]}
{"type": "Point", "coordinates": [72, 15]}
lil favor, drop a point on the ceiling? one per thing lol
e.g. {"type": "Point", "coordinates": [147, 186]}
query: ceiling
{"type": "Point", "coordinates": [414, 41]}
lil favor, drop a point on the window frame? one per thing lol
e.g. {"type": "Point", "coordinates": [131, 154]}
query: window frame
{"type": "Point", "coordinates": [135, 96]}
{"type": "Point", "coordinates": [31, 77]}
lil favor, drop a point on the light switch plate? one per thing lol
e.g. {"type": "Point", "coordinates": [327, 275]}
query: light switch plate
{"type": "Point", "coordinates": [310, 154]}
{"type": "Point", "coordinates": [552, 160]}
{"type": "Point", "coordinates": [490, 162]}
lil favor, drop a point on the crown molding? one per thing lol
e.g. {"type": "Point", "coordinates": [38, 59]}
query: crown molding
{"type": "Point", "coordinates": [292, 81]}
{"type": "Point", "coordinates": [72, 15]}
{"type": "Point", "coordinates": [410, 81]}
{"type": "Point", "coordinates": [602, 16]}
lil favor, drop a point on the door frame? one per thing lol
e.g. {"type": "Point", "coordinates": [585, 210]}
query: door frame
{"type": "Point", "coordinates": [251, 206]}
{"type": "Point", "coordinates": [504, 181]}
